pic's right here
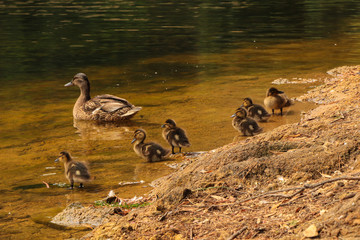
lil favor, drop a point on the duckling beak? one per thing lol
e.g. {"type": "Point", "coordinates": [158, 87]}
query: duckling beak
{"type": "Point", "coordinates": [233, 115]}
{"type": "Point", "coordinates": [133, 140]}
{"type": "Point", "coordinates": [68, 84]}
{"type": "Point", "coordinates": [56, 160]}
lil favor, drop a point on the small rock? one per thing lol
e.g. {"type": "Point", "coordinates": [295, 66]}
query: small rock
{"type": "Point", "coordinates": [311, 231]}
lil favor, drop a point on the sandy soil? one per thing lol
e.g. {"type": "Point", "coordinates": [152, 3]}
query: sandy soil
{"type": "Point", "coordinates": [295, 182]}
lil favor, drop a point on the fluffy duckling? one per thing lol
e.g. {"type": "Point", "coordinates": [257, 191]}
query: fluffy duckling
{"type": "Point", "coordinates": [74, 171]}
{"type": "Point", "coordinates": [151, 152]}
{"type": "Point", "coordinates": [247, 126]}
{"type": "Point", "coordinates": [107, 108]}
{"type": "Point", "coordinates": [276, 99]}
{"type": "Point", "coordinates": [174, 135]}
{"type": "Point", "coordinates": [255, 111]}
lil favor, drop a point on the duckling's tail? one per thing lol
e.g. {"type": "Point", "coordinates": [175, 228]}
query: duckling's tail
{"type": "Point", "coordinates": [289, 103]}
{"type": "Point", "coordinates": [185, 144]}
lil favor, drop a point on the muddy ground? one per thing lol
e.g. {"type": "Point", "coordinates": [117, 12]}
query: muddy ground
{"type": "Point", "coordinates": [295, 182]}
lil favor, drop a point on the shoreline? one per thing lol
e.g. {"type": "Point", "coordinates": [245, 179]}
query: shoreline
{"type": "Point", "coordinates": [252, 187]}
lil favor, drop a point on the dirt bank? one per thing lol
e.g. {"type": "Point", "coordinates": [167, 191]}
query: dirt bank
{"type": "Point", "coordinates": [299, 180]}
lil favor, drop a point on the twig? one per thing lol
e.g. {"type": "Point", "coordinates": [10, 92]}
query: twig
{"type": "Point", "coordinates": [330, 181]}
{"type": "Point", "coordinates": [237, 233]}
{"type": "Point", "coordinates": [300, 189]}
{"type": "Point", "coordinates": [268, 193]}
{"type": "Point", "coordinates": [46, 184]}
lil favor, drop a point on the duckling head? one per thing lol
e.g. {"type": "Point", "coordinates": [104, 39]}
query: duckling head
{"type": "Point", "coordinates": [139, 135]}
{"type": "Point", "coordinates": [247, 102]}
{"type": "Point", "coordinates": [240, 112]}
{"type": "Point", "coordinates": [169, 124]}
{"type": "Point", "coordinates": [64, 157]}
{"type": "Point", "coordinates": [273, 92]}
{"type": "Point", "coordinates": [80, 80]}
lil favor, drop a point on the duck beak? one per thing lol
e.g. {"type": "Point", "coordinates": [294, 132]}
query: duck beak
{"type": "Point", "coordinates": [163, 125]}
{"type": "Point", "coordinates": [133, 140]}
{"type": "Point", "coordinates": [233, 115]}
{"type": "Point", "coordinates": [68, 84]}
{"type": "Point", "coordinates": [56, 160]}
{"type": "Point", "coordinates": [280, 92]}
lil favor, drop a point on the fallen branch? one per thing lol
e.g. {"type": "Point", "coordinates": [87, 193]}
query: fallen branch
{"type": "Point", "coordinates": [300, 189]}
{"type": "Point", "coordinates": [237, 233]}
{"type": "Point", "coordinates": [330, 181]}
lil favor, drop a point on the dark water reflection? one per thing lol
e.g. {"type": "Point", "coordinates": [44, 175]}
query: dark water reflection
{"type": "Point", "coordinates": [190, 61]}
{"type": "Point", "coordinates": [40, 37]}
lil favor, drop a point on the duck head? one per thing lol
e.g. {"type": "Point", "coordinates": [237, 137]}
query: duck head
{"type": "Point", "coordinates": [247, 102]}
{"type": "Point", "coordinates": [169, 124]}
{"type": "Point", "coordinates": [64, 157]}
{"type": "Point", "coordinates": [273, 92]}
{"type": "Point", "coordinates": [139, 136]}
{"type": "Point", "coordinates": [80, 80]}
{"type": "Point", "coordinates": [240, 112]}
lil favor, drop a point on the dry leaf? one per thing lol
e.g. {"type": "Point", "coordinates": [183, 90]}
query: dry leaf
{"type": "Point", "coordinates": [218, 198]}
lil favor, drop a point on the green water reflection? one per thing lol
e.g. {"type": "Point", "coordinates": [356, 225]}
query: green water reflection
{"type": "Point", "coordinates": [190, 61]}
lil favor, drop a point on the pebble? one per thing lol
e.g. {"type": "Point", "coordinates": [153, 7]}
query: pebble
{"type": "Point", "coordinates": [311, 231]}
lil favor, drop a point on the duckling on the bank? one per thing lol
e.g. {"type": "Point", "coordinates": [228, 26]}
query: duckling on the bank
{"type": "Point", "coordinates": [151, 152]}
{"type": "Point", "coordinates": [74, 171]}
{"type": "Point", "coordinates": [174, 135]}
{"type": "Point", "coordinates": [107, 108]}
{"type": "Point", "coordinates": [276, 99]}
{"type": "Point", "coordinates": [255, 111]}
{"type": "Point", "coordinates": [247, 126]}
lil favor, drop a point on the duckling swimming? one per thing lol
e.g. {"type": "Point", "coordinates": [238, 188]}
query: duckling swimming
{"type": "Point", "coordinates": [276, 99]}
{"type": "Point", "coordinates": [151, 152]}
{"type": "Point", "coordinates": [107, 108]}
{"type": "Point", "coordinates": [247, 126]}
{"type": "Point", "coordinates": [255, 111]}
{"type": "Point", "coordinates": [74, 171]}
{"type": "Point", "coordinates": [174, 135]}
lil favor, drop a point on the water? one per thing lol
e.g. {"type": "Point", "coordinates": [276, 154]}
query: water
{"type": "Point", "coordinates": [193, 62]}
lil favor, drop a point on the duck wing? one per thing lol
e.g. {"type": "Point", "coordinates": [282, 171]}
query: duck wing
{"type": "Point", "coordinates": [78, 171]}
{"type": "Point", "coordinates": [151, 149]}
{"type": "Point", "coordinates": [110, 108]}
{"type": "Point", "coordinates": [107, 103]}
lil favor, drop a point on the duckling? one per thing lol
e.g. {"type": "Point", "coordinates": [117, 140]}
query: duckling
{"type": "Point", "coordinates": [106, 108]}
{"type": "Point", "coordinates": [247, 126]}
{"type": "Point", "coordinates": [74, 171]}
{"type": "Point", "coordinates": [174, 135]}
{"type": "Point", "coordinates": [149, 151]}
{"type": "Point", "coordinates": [276, 99]}
{"type": "Point", "coordinates": [255, 111]}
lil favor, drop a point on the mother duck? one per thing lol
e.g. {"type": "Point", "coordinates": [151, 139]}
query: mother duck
{"type": "Point", "coordinates": [106, 108]}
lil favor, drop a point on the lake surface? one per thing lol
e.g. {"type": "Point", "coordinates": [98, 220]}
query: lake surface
{"type": "Point", "coordinates": [192, 62]}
